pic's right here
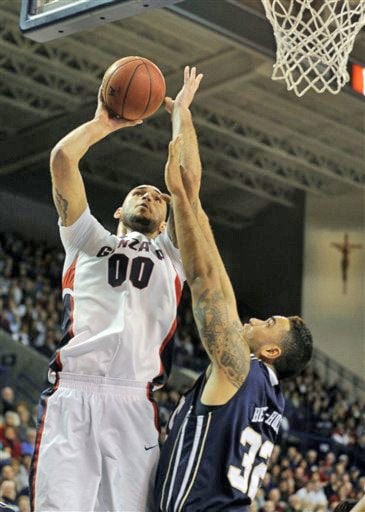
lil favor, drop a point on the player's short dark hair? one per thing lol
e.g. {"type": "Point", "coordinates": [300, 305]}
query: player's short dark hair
{"type": "Point", "coordinates": [345, 506]}
{"type": "Point", "coordinates": [297, 349]}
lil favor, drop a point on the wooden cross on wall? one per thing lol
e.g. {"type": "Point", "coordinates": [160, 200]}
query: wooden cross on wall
{"type": "Point", "coordinates": [345, 248]}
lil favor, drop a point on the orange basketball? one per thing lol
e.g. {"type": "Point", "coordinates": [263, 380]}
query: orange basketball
{"type": "Point", "coordinates": [133, 88]}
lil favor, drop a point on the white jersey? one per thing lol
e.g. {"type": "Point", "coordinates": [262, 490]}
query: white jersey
{"type": "Point", "coordinates": [120, 296]}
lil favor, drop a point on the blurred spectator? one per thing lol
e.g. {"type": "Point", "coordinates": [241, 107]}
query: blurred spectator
{"type": "Point", "coordinates": [7, 472]}
{"type": "Point", "coordinates": [9, 439]}
{"type": "Point", "coordinates": [269, 506]}
{"type": "Point", "coordinates": [8, 494]}
{"type": "Point", "coordinates": [26, 420]}
{"type": "Point", "coordinates": [312, 497]}
{"type": "Point", "coordinates": [326, 466]}
{"type": "Point", "coordinates": [21, 476]}
{"type": "Point", "coordinates": [331, 487]}
{"type": "Point", "coordinates": [27, 446]}
{"type": "Point", "coordinates": [295, 504]}
{"type": "Point", "coordinates": [7, 400]}
{"type": "Point", "coordinates": [23, 504]}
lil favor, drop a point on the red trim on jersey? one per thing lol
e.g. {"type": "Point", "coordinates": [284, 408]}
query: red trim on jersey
{"type": "Point", "coordinates": [58, 361]}
{"type": "Point", "coordinates": [71, 328]}
{"type": "Point", "coordinates": [178, 290]}
{"type": "Point", "coordinates": [68, 282]}
{"type": "Point", "coordinates": [69, 276]}
{"type": "Point", "coordinates": [154, 405]}
{"type": "Point", "coordinates": [149, 388]}
{"type": "Point", "coordinates": [38, 443]}
{"type": "Point", "coordinates": [166, 341]}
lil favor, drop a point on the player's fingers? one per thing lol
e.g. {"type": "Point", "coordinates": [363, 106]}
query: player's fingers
{"type": "Point", "coordinates": [186, 74]}
{"type": "Point", "coordinates": [199, 78]}
{"type": "Point", "coordinates": [197, 82]}
{"type": "Point", "coordinates": [193, 73]}
{"type": "Point", "coordinates": [100, 93]}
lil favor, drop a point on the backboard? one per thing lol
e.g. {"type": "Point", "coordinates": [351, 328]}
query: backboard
{"type": "Point", "coordinates": [44, 20]}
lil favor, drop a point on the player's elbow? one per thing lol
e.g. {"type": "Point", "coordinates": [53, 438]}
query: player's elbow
{"type": "Point", "coordinates": [59, 160]}
{"type": "Point", "coordinates": [206, 278]}
{"type": "Point", "coordinates": [59, 154]}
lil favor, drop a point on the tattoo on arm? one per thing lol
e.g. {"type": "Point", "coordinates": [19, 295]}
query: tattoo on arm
{"type": "Point", "coordinates": [62, 206]}
{"type": "Point", "coordinates": [221, 337]}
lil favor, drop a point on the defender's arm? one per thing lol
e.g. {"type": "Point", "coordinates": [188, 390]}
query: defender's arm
{"type": "Point", "coordinates": [360, 506]}
{"type": "Point", "coordinates": [182, 124]}
{"type": "Point", "coordinates": [216, 318]}
{"type": "Point", "coordinates": [191, 168]}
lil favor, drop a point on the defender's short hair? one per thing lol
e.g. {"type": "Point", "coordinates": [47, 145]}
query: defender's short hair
{"type": "Point", "coordinates": [297, 349]}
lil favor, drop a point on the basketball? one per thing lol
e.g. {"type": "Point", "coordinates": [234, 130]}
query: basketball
{"type": "Point", "coordinates": [133, 88]}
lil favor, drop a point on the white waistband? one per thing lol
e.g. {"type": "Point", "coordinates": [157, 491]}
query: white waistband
{"type": "Point", "coordinates": [100, 383]}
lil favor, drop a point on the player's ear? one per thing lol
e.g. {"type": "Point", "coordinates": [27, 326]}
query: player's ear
{"type": "Point", "coordinates": [118, 214]}
{"type": "Point", "coordinates": [162, 227]}
{"type": "Point", "coordinates": [270, 351]}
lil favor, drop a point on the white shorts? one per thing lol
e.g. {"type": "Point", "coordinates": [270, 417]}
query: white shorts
{"type": "Point", "coordinates": [97, 447]}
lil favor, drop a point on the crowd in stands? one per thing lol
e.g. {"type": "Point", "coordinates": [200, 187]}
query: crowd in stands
{"type": "Point", "coordinates": [30, 293]}
{"type": "Point", "coordinates": [320, 457]}
{"type": "Point", "coordinates": [17, 439]}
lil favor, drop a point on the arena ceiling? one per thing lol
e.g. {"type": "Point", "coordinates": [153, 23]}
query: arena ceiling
{"type": "Point", "coordinates": [260, 144]}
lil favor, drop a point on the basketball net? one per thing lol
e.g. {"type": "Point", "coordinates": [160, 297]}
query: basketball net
{"type": "Point", "coordinates": [314, 39]}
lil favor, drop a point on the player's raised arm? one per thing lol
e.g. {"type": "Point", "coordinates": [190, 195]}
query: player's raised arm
{"type": "Point", "coordinates": [197, 262]}
{"type": "Point", "coordinates": [182, 124]}
{"type": "Point", "coordinates": [191, 168]}
{"type": "Point", "coordinates": [216, 318]}
{"type": "Point", "coordinates": [67, 184]}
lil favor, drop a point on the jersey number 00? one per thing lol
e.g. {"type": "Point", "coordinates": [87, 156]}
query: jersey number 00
{"type": "Point", "coordinates": [139, 273]}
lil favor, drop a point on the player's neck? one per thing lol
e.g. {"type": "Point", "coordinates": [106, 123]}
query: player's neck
{"type": "Point", "coordinates": [123, 230]}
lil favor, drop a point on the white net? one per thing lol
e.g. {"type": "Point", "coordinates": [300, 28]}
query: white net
{"type": "Point", "coordinates": [314, 39]}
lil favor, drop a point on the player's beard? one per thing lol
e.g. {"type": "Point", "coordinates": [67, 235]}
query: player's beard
{"type": "Point", "coordinates": [140, 223]}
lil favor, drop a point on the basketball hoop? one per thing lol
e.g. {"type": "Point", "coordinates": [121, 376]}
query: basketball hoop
{"type": "Point", "coordinates": [314, 39]}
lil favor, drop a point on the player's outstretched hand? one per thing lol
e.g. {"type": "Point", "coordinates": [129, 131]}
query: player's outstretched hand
{"type": "Point", "coordinates": [186, 95]}
{"type": "Point", "coordinates": [105, 118]}
{"type": "Point", "coordinates": [173, 177]}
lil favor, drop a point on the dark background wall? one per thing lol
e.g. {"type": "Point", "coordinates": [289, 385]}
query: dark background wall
{"type": "Point", "coordinates": [265, 260]}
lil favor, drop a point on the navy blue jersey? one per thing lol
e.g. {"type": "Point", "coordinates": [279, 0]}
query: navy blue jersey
{"type": "Point", "coordinates": [215, 457]}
